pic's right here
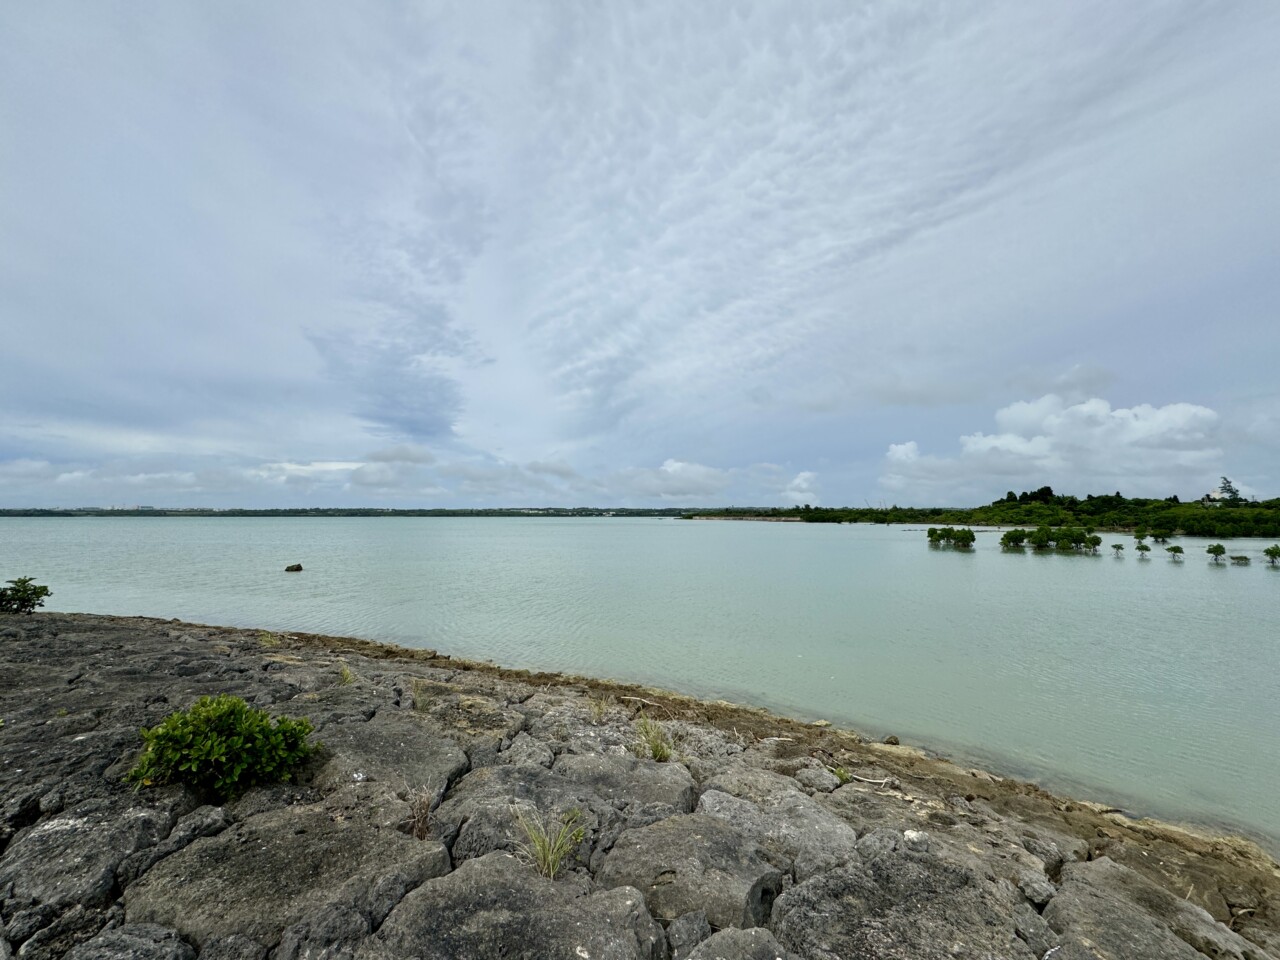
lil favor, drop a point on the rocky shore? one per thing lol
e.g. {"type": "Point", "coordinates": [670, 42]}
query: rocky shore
{"type": "Point", "coordinates": [760, 837]}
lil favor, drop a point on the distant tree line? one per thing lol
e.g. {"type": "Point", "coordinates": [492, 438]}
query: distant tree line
{"type": "Point", "coordinates": [1227, 515]}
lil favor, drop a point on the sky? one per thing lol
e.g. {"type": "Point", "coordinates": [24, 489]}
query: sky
{"type": "Point", "coordinates": [314, 253]}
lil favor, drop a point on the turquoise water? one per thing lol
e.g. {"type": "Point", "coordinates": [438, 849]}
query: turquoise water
{"type": "Point", "coordinates": [1147, 684]}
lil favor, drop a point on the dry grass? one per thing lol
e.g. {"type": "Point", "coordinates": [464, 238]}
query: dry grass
{"type": "Point", "coordinates": [268, 639]}
{"type": "Point", "coordinates": [652, 741]}
{"type": "Point", "coordinates": [421, 802]}
{"type": "Point", "coordinates": [599, 707]}
{"type": "Point", "coordinates": [548, 845]}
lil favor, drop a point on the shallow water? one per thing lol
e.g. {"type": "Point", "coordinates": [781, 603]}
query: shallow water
{"type": "Point", "coordinates": [1147, 684]}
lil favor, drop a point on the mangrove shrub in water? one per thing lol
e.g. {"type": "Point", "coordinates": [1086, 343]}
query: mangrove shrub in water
{"type": "Point", "coordinates": [22, 596]}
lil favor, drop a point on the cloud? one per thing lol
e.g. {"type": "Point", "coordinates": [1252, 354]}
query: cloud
{"type": "Point", "coordinates": [674, 480]}
{"type": "Point", "coordinates": [555, 468]}
{"type": "Point", "coordinates": [1076, 447]}
{"type": "Point", "coordinates": [404, 453]}
{"type": "Point", "coordinates": [603, 238]}
{"type": "Point", "coordinates": [802, 488]}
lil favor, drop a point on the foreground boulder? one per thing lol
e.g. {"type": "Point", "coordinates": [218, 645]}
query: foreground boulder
{"type": "Point", "coordinates": [496, 906]}
{"type": "Point", "coordinates": [278, 869]}
{"type": "Point", "coordinates": [901, 906]}
{"type": "Point", "coordinates": [694, 863]}
{"type": "Point", "coordinates": [1117, 912]}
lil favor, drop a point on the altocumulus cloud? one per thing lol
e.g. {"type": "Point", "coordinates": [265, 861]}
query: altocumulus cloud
{"type": "Point", "coordinates": [517, 252]}
{"type": "Point", "coordinates": [1084, 447]}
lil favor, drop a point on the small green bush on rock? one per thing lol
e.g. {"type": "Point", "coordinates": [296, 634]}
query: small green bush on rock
{"type": "Point", "coordinates": [22, 596]}
{"type": "Point", "coordinates": [222, 747]}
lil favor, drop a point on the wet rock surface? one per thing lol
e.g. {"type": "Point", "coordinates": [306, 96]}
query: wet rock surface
{"type": "Point", "coordinates": [404, 836]}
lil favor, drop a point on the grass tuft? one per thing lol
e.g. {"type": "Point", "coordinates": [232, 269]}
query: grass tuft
{"type": "Point", "coordinates": [268, 639]}
{"type": "Point", "coordinates": [653, 741]}
{"type": "Point", "coordinates": [417, 823]}
{"type": "Point", "coordinates": [548, 845]}
{"type": "Point", "coordinates": [345, 675]}
{"type": "Point", "coordinates": [599, 707]}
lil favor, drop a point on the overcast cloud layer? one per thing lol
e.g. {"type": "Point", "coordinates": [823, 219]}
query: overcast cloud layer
{"type": "Point", "coordinates": [312, 253]}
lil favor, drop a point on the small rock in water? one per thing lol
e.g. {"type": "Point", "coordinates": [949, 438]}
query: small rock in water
{"type": "Point", "coordinates": [293, 568]}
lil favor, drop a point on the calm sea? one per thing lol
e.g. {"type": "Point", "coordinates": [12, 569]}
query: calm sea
{"type": "Point", "coordinates": [1151, 685]}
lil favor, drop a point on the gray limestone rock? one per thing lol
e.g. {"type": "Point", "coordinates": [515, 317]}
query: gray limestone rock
{"type": "Point", "coordinates": [274, 870]}
{"type": "Point", "coordinates": [496, 906]}
{"type": "Point", "coordinates": [686, 932]}
{"type": "Point", "coordinates": [1118, 912]}
{"type": "Point", "coordinates": [203, 822]}
{"type": "Point", "coordinates": [481, 724]}
{"type": "Point", "coordinates": [753, 944]}
{"type": "Point", "coordinates": [480, 814]}
{"type": "Point", "coordinates": [878, 842]}
{"type": "Point", "coordinates": [628, 779]}
{"type": "Point", "coordinates": [794, 830]}
{"type": "Point", "coordinates": [141, 941]}
{"type": "Point", "coordinates": [695, 862]}
{"type": "Point", "coordinates": [525, 750]}
{"type": "Point", "coordinates": [234, 947]}
{"type": "Point", "coordinates": [817, 779]}
{"type": "Point", "coordinates": [900, 906]}
{"type": "Point", "coordinates": [72, 858]}
{"type": "Point", "coordinates": [393, 748]}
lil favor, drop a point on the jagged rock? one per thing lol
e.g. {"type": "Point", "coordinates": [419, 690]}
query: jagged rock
{"type": "Point", "coordinates": [66, 932]}
{"type": "Point", "coordinates": [900, 906]}
{"type": "Point", "coordinates": [1036, 889]}
{"type": "Point", "coordinates": [293, 568]}
{"type": "Point", "coordinates": [332, 931]}
{"type": "Point", "coordinates": [1053, 849]}
{"type": "Point", "coordinates": [795, 831]}
{"type": "Point", "coordinates": [496, 906]}
{"type": "Point", "coordinates": [479, 723]}
{"type": "Point", "coordinates": [751, 783]}
{"type": "Point", "coordinates": [393, 748]}
{"type": "Point", "coordinates": [527, 751]}
{"type": "Point", "coordinates": [1032, 929]}
{"type": "Point", "coordinates": [72, 858]}
{"type": "Point", "coordinates": [234, 947]}
{"type": "Point", "coordinates": [753, 944]}
{"type": "Point", "coordinates": [1119, 912]}
{"type": "Point", "coordinates": [274, 870]}
{"type": "Point", "coordinates": [880, 841]}
{"type": "Point", "coordinates": [685, 933]}
{"type": "Point", "coordinates": [479, 816]}
{"type": "Point", "coordinates": [817, 779]}
{"type": "Point", "coordinates": [206, 821]}
{"type": "Point", "coordinates": [140, 941]}
{"type": "Point", "coordinates": [630, 779]}
{"type": "Point", "coordinates": [695, 862]}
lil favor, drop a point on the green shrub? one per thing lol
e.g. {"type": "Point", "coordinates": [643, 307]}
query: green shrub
{"type": "Point", "coordinates": [22, 596]}
{"type": "Point", "coordinates": [221, 747]}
